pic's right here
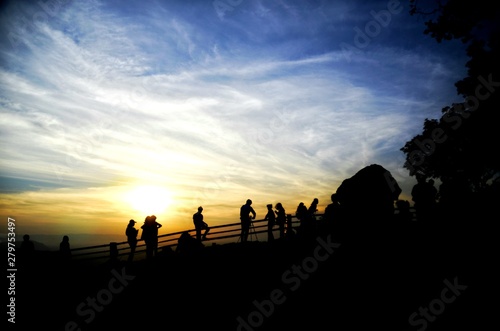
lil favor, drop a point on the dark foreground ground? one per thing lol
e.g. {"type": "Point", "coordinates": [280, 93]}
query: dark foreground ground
{"type": "Point", "coordinates": [410, 278]}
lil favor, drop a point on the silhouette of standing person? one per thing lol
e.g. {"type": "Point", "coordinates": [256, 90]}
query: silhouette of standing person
{"type": "Point", "coordinates": [280, 218]}
{"type": "Point", "coordinates": [26, 250]}
{"type": "Point", "coordinates": [271, 221]}
{"type": "Point", "coordinates": [246, 219]}
{"type": "Point", "coordinates": [200, 225]}
{"type": "Point", "coordinates": [301, 215]}
{"type": "Point", "coordinates": [313, 208]}
{"type": "Point", "coordinates": [332, 209]}
{"type": "Point", "coordinates": [332, 215]}
{"type": "Point", "coordinates": [309, 221]}
{"type": "Point", "coordinates": [131, 232]}
{"type": "Point", "coordinates": [65, 249]}
{"type": "Point", "coordinates": [150, 235]}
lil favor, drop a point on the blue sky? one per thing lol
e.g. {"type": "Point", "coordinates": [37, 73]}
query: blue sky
{"type": "Point", "coordinates": [206, 103]}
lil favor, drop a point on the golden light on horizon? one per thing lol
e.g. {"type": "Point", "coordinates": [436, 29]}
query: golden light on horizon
{"type": "Point", "coordinates": [149, 199]}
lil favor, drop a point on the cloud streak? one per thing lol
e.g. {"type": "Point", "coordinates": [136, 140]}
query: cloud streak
{"type": "Point", "coordinates": [103, 96]}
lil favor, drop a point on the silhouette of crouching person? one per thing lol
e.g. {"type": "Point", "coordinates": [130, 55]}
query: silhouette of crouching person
{"type": "Point", "coordinates": [150, 235]}
{"type": "Point", "coordinates": [187, 245]}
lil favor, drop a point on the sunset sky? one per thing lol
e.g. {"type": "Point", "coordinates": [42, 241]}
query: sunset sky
{"type": "Point", "coordinates": [112, 110]}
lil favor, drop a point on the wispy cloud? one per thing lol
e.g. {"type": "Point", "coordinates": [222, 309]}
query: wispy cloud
{"type": "Point", "coordinates": [104, 96]}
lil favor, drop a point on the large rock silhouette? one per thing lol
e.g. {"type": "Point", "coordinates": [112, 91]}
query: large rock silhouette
{"type": "Point", "coordinates": [368, 199]}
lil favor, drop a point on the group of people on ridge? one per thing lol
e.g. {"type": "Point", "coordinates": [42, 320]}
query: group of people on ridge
{"type": "Point", "coordinates": [280, 218]}
{"type": "Point", "coordinates": [150, 233]}
{"type": "Point", "coordinates": [277, 217]}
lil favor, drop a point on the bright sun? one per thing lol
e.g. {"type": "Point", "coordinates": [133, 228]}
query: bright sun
{"type": "Point", "coordinates": [149, 200]}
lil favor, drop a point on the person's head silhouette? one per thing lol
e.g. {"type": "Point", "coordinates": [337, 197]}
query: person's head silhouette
{"type": "Point", "coordinates": [334, 197]}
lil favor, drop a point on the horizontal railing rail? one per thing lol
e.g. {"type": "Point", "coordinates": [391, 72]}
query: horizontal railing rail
{"type": "Point", "coordinates": [218, 234]}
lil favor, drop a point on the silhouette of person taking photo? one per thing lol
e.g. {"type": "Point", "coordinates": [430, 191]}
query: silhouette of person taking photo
{"type": "Point", "coordinates": [271, 221]}
{"type": "Point", "coordinates": [200, 225]}
{"type": "Point", "coordinates": [131, 232]}
{"type": "Point", "coordinates": [150, 235]}
{"type": "Point", "coordinates": [246, 219]}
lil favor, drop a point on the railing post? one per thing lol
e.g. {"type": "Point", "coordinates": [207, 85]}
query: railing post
{"type": "Point", "coordinates": [113, 250]}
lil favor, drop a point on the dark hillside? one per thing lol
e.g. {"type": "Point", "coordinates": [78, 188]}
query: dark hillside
{"type": "Point", "coordinates": [314, 284]}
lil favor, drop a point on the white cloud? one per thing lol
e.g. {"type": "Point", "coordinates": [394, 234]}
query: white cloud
{"type": "Point", "coordinates": [100, 99]}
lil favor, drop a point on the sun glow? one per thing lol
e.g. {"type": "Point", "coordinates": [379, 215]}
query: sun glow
{"type": "Point", "coordinates": [149, 200]}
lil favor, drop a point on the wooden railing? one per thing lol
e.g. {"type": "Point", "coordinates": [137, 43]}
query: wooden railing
{"type": "Point", "coordinates": [219, 234]}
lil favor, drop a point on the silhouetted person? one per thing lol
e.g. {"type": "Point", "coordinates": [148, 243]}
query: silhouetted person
{"type": "Point", "coordinates": [26, 250]}
{"type": "Point", "coordinates": [313, 208]}
{"type": "Point", "coordinates": [131, 232]}
{"type": "Point", "coordinates": [200, 225]}
{"type": "Point", "coordinates": [150, 235]}
{"type": "Point", "coordinates": [186, 244]}
{"type": "Point", "coordinates": [309, 222]}
{"type": "Point", "coordinates": [65, 249]}
{"type": "Point", "coordinates": [246, 215]}
{"type": "Point", "coordinates": [280, 218]}
{"type": "Point", "coordinates": [301, 214]}
{"type": "Point", "coordinates": [333, 216]}
{"type": "Point", "coordinates": [271, 221]}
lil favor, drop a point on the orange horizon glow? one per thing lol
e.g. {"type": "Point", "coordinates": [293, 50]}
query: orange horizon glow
{"type": "Point", "coordinates": [107, 210]}
{"type": "Point", "coordinates": [103, 213]}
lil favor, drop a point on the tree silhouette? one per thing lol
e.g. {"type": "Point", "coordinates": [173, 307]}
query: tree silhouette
{"type": "Point", "coordinates": [461, 145]}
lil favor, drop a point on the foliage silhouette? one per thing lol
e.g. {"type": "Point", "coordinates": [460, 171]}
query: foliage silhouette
{"type": "Point", "coordinates": [460, 145]}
